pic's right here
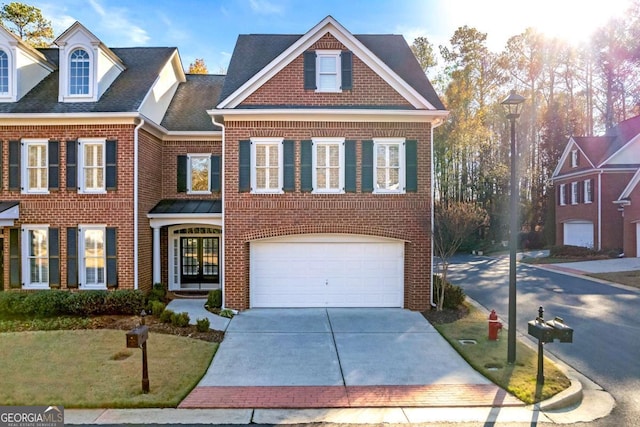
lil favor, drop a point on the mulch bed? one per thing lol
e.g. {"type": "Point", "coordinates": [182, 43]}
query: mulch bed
{"type": "Point", "coordinates": [154, 324]}
{"type": "Point", "coordinates": [447, 315]}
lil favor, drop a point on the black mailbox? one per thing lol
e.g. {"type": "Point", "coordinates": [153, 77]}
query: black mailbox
{"type": "Point", "coordinates": [137, 336]}
{"type": "Point", "coordinates": [562, 332]}
{"type": "Point", "coordinates": [540, 330]}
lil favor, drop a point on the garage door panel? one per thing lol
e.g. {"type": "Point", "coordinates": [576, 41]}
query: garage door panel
{"type": "Point", "coordinates": [578, 233]}
{"type": "Point", "coordinates": [313, 273]}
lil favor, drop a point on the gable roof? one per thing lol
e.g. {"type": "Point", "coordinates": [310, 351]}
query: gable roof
{"type": "Point", "coordinates": [125, 94]}
{"type": "Point", "coordinates": [188, 108]}
{"type": "Point", "coordinates": [257, 57]}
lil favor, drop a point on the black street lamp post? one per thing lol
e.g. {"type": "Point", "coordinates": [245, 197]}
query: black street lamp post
{"type": "Point", "coordinates": [512, 105]}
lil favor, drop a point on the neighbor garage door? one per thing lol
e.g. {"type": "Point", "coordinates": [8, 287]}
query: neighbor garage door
{"type": "Point", "coordinates": [327, 271]}
{"type": "Point", "coordinates": [578, 233]}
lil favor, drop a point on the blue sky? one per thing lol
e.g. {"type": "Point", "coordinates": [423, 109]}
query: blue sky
{"type": "Point", "coordinates": [208, 28]}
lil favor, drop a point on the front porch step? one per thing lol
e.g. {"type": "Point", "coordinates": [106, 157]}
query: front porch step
{"type": "Point", "coordinates": [195, 294]}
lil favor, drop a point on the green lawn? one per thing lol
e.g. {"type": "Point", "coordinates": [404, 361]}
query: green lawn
{"type": "Point", "coordinates": [485, 356]}
{"type": "Point", "coordinates": [94, 369]}
{"type": "Point", "coordinates": [629, 278]}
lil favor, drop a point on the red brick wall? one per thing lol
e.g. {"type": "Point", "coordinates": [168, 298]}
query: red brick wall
{"type": "Point", "coordinates": [64, 208]}
{"type": "Point", "coordinates": [287, 87]}
{"type": "Point", "coordinates": [612, 228]}
{"type": "Point", "coordinates": [252, 216]}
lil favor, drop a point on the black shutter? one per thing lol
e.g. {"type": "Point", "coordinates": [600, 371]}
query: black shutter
{"type": "Point", "coordinates": [112, 259]}
{"type": "Point", "coordinates": [346, 58]}
{"type": "Point", "coordinates": [289, 166]}
{"type": "Point", "coordinates": [182, 174]}
{"type": "Point", "coordinates": [14, 165]}
{"type": "Point", "coordinates": [411, 164]}
{"type": "Point", "coordinates": [558, 192]}
{"type": "Point", "coordinates": [111, 164]}
{"type": "Point", "coordinates": [244, 180]}
{"type": "Point", "coordinates": [54, 258]}
{"type": "Point", "coordinates": [306, 167]}
{"type": "Point", "coordinates": [72, 164]}
{"type": "Point", "coordinates": [350, 166]}
{"type": "Point", "coordinates": [54, 165]}
{"type": "Point", "coordinates": [367, 166]}
{"type": "Point", "coordinates": [310, 70]}
{"type": "Point", "coordinates": [567, 194]}
{"type": "Point", "coordinates": [72, 257]}
{"type": "Point", "coordinates": [215, 174]}
{"type": "Point", "coordinates": [593, 191]}
{"type": "Point", "coordinates": [14, 258]}
{"type": "Point", "coordinates": [1, 166]}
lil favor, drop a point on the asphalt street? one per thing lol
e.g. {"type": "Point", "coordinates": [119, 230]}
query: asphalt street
{"type": "Point", "coordinates": [605, 319]}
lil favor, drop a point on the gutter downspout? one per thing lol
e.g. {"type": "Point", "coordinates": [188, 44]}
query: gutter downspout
{"type": "Point", "coordinates": [600, 210]}
{"type": "Point", "coordinates": [434, 125]}
{"type": "Point", "coordinates": [223, 191]}
{"type": "Point", "coordinates": [135, 201]}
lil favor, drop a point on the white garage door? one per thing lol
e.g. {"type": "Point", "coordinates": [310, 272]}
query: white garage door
{"type": "Point", "coordinates": [578, 233]}
{"type": "Point", "coordinates": [327, 271]}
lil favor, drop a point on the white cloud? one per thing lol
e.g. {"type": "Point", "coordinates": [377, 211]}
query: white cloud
{"type": "Point", "coordinates": [265, 7]}
{"type": "Point", "coordinates": [115, 26]}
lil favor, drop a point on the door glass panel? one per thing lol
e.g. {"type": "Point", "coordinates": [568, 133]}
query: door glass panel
{"type": "Point", "coordinates": [189, 256]}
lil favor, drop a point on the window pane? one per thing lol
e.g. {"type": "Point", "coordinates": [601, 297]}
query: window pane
{"type": "Point", "coordinates": [381, 155]}
{"type": "Point", "coordinates": [261, 178]}
{"type": "Point", "coordinates": [334, 155]}
{"type": "Point", "coordinates": [394, 179]}
{"type": "Point", "coordinates": [394, 155]}
{"type": "Point", "coordinates": [273, 178]}
{"type": "Point", "coordinates": [199, 174]}
{"type": "Point", "coordinates": [38, 256]}
{"type": "Point", "coordinates": [321, 156]}
{"type": "Point", "coordinates": [4, 72]}
{"type": "Point", "coordinates": [273, 155]}
{"type": "Point", "coordinates": [79, 73]}
{"type": "Point", "coordinates": [334, 178]}
{"type": "Point", "coordinates": [327, 64]}
{"type": "Point", "coordinates": [94, 256]}
{"type": "Point", "coordinates": [327, 82]}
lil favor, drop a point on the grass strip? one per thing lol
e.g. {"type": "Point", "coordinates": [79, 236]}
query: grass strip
{"type": "Point", "coordinates": [490, 359]}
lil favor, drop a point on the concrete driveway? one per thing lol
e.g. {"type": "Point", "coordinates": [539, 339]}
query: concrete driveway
{"type": "Point", "coordinates": [335, 347]}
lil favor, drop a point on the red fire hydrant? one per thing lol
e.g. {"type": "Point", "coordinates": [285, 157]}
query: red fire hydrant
{"type": "Point", "coordinates": [494, 326]}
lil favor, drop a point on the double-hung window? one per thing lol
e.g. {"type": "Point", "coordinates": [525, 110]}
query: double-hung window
{"type": "Point", "coordinates": [588, 191]}
{"type": "Point", "coordinates": [574, 158]}
{"type": "Point", "coordinates": [328, 165]}
{"type": "Point", "coordinates": [36, 166]}
{"type": "Point", "coordinates": [91, 171]}
{"type": "Point", "coordinates": [266, 165]}
{"type": "Point", "coordinates": [389, 161]}
{"type": "Point", "coordinates": [574, 193]}
{"type": "Point", "coordinates": [328, 71]}
{"type": "Point", "coordinates": [35, 248]}
{"type": "Point", "coordinates": [562, 194]}
{"type": "Point", "coordinates": [199, 173]}
{"type": "Point", "coordinates": [92, 257]}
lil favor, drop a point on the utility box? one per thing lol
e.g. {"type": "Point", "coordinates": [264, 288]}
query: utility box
{"type": "Point", "coordinates": [137, 336]}
{"type": "Point", "coordinates": [562, 332]}
{"type": "Point", "coordinates": [542, 331]}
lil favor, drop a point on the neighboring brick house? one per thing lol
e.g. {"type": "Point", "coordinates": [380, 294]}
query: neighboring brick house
{"type": "Point", "coordinates": [595, 184]}
{"type": "Point", "coordinates": [301, 178]}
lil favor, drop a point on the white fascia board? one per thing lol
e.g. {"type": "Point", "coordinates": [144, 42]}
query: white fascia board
{"type": "Point", "coordinates": [68, 118]}
{"type": "Point", "coordinates": [631, 141]}
{"type": "Point", "coordinates": [328, 25]}
{"type": "Point", "coordinates": [332, 114]}
{"type": "Point", "coordinates": [161, 220]}
{"type": "Point", "coordinates": [565, 155]}
{"type": "Point", "coordinates": [633, 182]}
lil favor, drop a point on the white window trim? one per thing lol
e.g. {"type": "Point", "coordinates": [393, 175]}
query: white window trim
{"type": "Point", "coordinates": [267, 141]}
{"type": "Point", "coordinates": [24, 167]}
{"type": "Point", "coordinates": [402, 173]}
{"type": "Point", "coordinates": [26, 273]}
{"type": "Point", "coordinates": [574, 158]}
{"type": "Point", "coordinates": [82, 274]}
{"type": "Point", "coordinates": [314, 156]}
{"type": "Point", "coordinates": [80, 165]}
{"type": "Point", "coordinates": [563, 195]}
{"type": "Point", "coordinates": [10, 96]}
{"type": "Point", "coordinates": [206, 156]}
{"type": "Point", "coordinates": [65, 75]}
{"type": "Point", "coordinates": [588, 195]}
{"type": "Point", "coordinates": [574, 193]}
{"type": "Point", "coordinates": [336, 54]}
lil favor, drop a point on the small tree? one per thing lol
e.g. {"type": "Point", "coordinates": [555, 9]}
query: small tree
{"type": "Point", "coordinates": [27, 22]}
{"type": "Point", "coordinates": [453, 222]}
{"type": "Point", "coordinates": [198, 67]}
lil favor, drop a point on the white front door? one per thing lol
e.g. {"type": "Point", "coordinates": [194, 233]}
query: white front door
{"type": "Point", "coordinates": [327, 271]}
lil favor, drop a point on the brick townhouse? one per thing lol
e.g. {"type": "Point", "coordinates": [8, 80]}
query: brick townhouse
{"type": "Point", "coordinates": [302, 178]}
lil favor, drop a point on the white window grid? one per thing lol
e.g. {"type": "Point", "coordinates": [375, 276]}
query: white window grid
{"type": "Point", "coordinates": [35, 252]}
{"type": "Point", "coordinates": [267, 172]}
{"type": "Point", "coordinates": [328, 165]}
{"type": "Point", "coordinates": [199, 173]}
{"type": "Point", "coordinates": [389, 172]}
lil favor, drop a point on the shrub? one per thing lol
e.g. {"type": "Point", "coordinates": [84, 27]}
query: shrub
{"type": "Point", "coordinates": [214, 298]}
{"type": "Point", "coordinates": [166, 315]}
{"type": "Point", "coordinates": [453, 294]}
{"type": "Point", "coordinates": [123, 301]}
{"type": "Point", "coordinates": [180, 320]}
{"type": "Point", "coordinates": [203, 325]}
{"type": "Point", "coordinates": [226, 313]}
{"type": "Point", "coordinates": [158, 292]}
{"type": "Point", "coordinates": [156, 308]}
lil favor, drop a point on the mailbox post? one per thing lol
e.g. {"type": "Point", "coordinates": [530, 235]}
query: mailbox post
{"type": "Point", "coordinates": [547, 332]}
{"type": "Point", "coordinates": [137, 338]}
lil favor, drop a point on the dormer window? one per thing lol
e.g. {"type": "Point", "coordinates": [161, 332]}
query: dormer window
{"type": "Point", "coordinates": [4, 72]}
{"type": "Point", "coordinates": [328, 70]}
{"type": "Point", "coordinates": [574, 158]}
{"type": "Point", "coordinates": [79, 72]}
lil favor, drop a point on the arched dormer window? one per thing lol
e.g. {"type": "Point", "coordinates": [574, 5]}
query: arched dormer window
{"type": "Point", "coordinates": [79, 72]}
{"type": "Point", "coordinates": [4, 72]}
